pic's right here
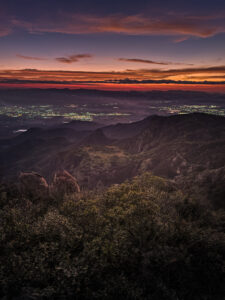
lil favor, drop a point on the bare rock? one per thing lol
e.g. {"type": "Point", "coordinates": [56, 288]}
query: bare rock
{"type": "Point", "coordinates": [33, 185]}
{"type": "Point", "coordinates": [64, 184]}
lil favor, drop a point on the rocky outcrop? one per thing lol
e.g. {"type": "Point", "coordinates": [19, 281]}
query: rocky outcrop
{"type": "Point", "coordinates": [33, 185]}
{"type": "Point", "coordinates": [64, 184]}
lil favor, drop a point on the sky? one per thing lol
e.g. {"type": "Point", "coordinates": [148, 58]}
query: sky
{"type": "Point", "coordinates": [113, 44]}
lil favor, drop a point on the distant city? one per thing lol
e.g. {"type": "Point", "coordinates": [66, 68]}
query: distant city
{"type": "Point", "coordinates": [85, 113]}
{"type": "Point", "coordinates": [22, 109]}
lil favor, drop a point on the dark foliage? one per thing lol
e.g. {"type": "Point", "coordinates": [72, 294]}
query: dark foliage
{"type": "Point", "coordinates": [143, 239]}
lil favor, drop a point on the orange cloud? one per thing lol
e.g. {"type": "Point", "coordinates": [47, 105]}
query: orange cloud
{"type": "Point", "coordinates": [200, 74]}
{"type": "Point", "coordinates": [186, 71]}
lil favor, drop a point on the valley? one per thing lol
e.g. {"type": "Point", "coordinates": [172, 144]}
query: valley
{"type": "Point", "coordinates": [187, 149]}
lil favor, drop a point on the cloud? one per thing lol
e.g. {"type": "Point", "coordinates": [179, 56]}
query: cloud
{"type": "Point", "coordinates": [180, 39]}
{"type": "Point", "coordinates": [128, 81]}
{"type": "Point", "coordinates": [30, 57]}
{"type": "Point", "coordinates": [116, 81]}
{"type": "Point", "coordinates": [5, 31]}
{"type": "Point", "coordinates": [67, 59]}
{"type": "Point", "coordinates": [6, 26]}
{"type": "Point", "coordinates": [73, 58]}
{"type": "Point", "coordinates": [175, 25]}
{"type": "Point", "coordinates": [200, 74]}
{"type": "Point", "coordinates": [186, 71]}
{"type": "Point", "coordinates": [146, 61]}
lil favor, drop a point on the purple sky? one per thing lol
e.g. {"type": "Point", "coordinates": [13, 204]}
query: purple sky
{"type": "Point", "coordinates": [138, 40]}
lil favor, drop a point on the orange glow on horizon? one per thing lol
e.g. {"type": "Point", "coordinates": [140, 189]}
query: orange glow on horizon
{"type": "Point", "coordinates": [213, 88]}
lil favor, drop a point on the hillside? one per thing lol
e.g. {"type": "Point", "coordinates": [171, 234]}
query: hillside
{"type": "Point", "coordinates": [188, 149]}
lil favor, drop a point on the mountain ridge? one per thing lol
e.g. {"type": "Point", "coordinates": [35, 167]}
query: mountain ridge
{"type": "Point", "coordinates": [183, 148]}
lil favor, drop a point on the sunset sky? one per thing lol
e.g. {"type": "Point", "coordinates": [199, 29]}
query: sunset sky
{"type": "Point", "coordinates": [113, 44]}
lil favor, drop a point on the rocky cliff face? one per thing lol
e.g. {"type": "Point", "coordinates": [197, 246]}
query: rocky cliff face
{"type": "Point", "coordinates": [33, 185]}
{"type": "Point", "coordinates": [64, 184]}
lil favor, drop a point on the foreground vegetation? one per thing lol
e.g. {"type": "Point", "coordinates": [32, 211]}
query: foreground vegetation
{"type": "Point", "coordinates": [143, 239]}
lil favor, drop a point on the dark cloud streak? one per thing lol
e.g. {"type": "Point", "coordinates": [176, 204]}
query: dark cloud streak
{"type": "Point", "coordinates": [119, 81]}
{"type": "Point", "coordinates": [30, 57]}
{"type": "Point", "coordinates": [146, 61]}
{"type": "Point", "coordinates": [73, 58]}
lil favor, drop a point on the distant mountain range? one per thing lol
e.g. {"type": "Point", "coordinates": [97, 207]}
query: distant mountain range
{"type": "Point", "coordinates": [54, 96]}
